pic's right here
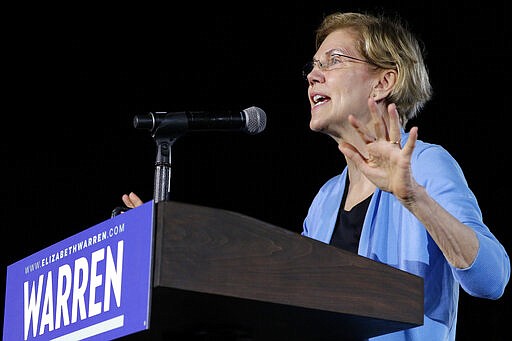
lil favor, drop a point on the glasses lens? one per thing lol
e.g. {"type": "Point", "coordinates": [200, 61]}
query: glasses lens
{"type": "Point", "coordinates": [306, 70]}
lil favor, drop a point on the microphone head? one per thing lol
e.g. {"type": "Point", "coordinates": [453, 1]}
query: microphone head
{"type": "Point", "coordinates": [255, 120]}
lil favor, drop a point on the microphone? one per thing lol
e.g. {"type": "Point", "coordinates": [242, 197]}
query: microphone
{"type": "Point", "coordinates": [252, 120]}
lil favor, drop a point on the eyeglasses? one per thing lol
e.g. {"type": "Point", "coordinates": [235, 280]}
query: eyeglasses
{"type": "Point", "coordinates": [336, 60]}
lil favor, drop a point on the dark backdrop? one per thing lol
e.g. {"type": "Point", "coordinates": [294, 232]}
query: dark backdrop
{"type": "Point", "coordinates": [74, 77]}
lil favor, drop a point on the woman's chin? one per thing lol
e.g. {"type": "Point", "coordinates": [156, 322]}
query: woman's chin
{"type": "Point", "coordinates": [315, 126]}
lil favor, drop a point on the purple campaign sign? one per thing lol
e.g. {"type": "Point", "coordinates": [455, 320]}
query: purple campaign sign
{"type": "Point", "coordinates": [95, 284]}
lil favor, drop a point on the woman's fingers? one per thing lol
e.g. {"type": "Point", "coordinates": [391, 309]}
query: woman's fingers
{"type": "Point", "coordinates": [411, 142]}
{"type": "Point", "coordinates": [361, 130]}
{"type": "Point", "coordinates": [379, 125]}
{"type": "Point", "coordinates": [131, 200]}
{"type": "Point", "coordinates": [394, 124]}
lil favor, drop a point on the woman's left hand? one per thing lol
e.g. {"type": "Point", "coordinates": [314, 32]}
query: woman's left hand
{"type": "Point", "coordinates": [388, 164]}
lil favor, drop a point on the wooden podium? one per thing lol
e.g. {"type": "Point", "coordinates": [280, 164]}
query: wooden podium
{"type": "Point", "coordinates": [220, 275]}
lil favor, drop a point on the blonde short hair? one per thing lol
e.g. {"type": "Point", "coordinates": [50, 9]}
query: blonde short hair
{"type": "Point", "coordinates": [387, 44]}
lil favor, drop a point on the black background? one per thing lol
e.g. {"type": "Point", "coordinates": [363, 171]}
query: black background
{"type": "Point", "coordinates": [74, 77]}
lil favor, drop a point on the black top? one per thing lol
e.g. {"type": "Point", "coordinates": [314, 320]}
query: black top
{"type": "Point", "coordinates": [349, 224]}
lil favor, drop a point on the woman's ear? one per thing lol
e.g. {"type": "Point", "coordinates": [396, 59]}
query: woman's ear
{"type": "Point", "coordinates": [386, 82]}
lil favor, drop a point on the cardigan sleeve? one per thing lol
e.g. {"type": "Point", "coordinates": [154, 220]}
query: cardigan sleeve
{"type": "Point", "coordinates": [489, 274]}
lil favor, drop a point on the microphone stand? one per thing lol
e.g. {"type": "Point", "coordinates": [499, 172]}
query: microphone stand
{"type": "Point", "coordinates": [162, 181]}
{"type": "Point", "coordinates": [167, 127]}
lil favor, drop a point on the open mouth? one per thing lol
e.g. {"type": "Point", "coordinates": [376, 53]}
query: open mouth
{"type": "Point", "coordinates": [320, 99]}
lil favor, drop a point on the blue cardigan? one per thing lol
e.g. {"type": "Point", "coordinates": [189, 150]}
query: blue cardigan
{"type": "Point", "coordinates": [392, 235]}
